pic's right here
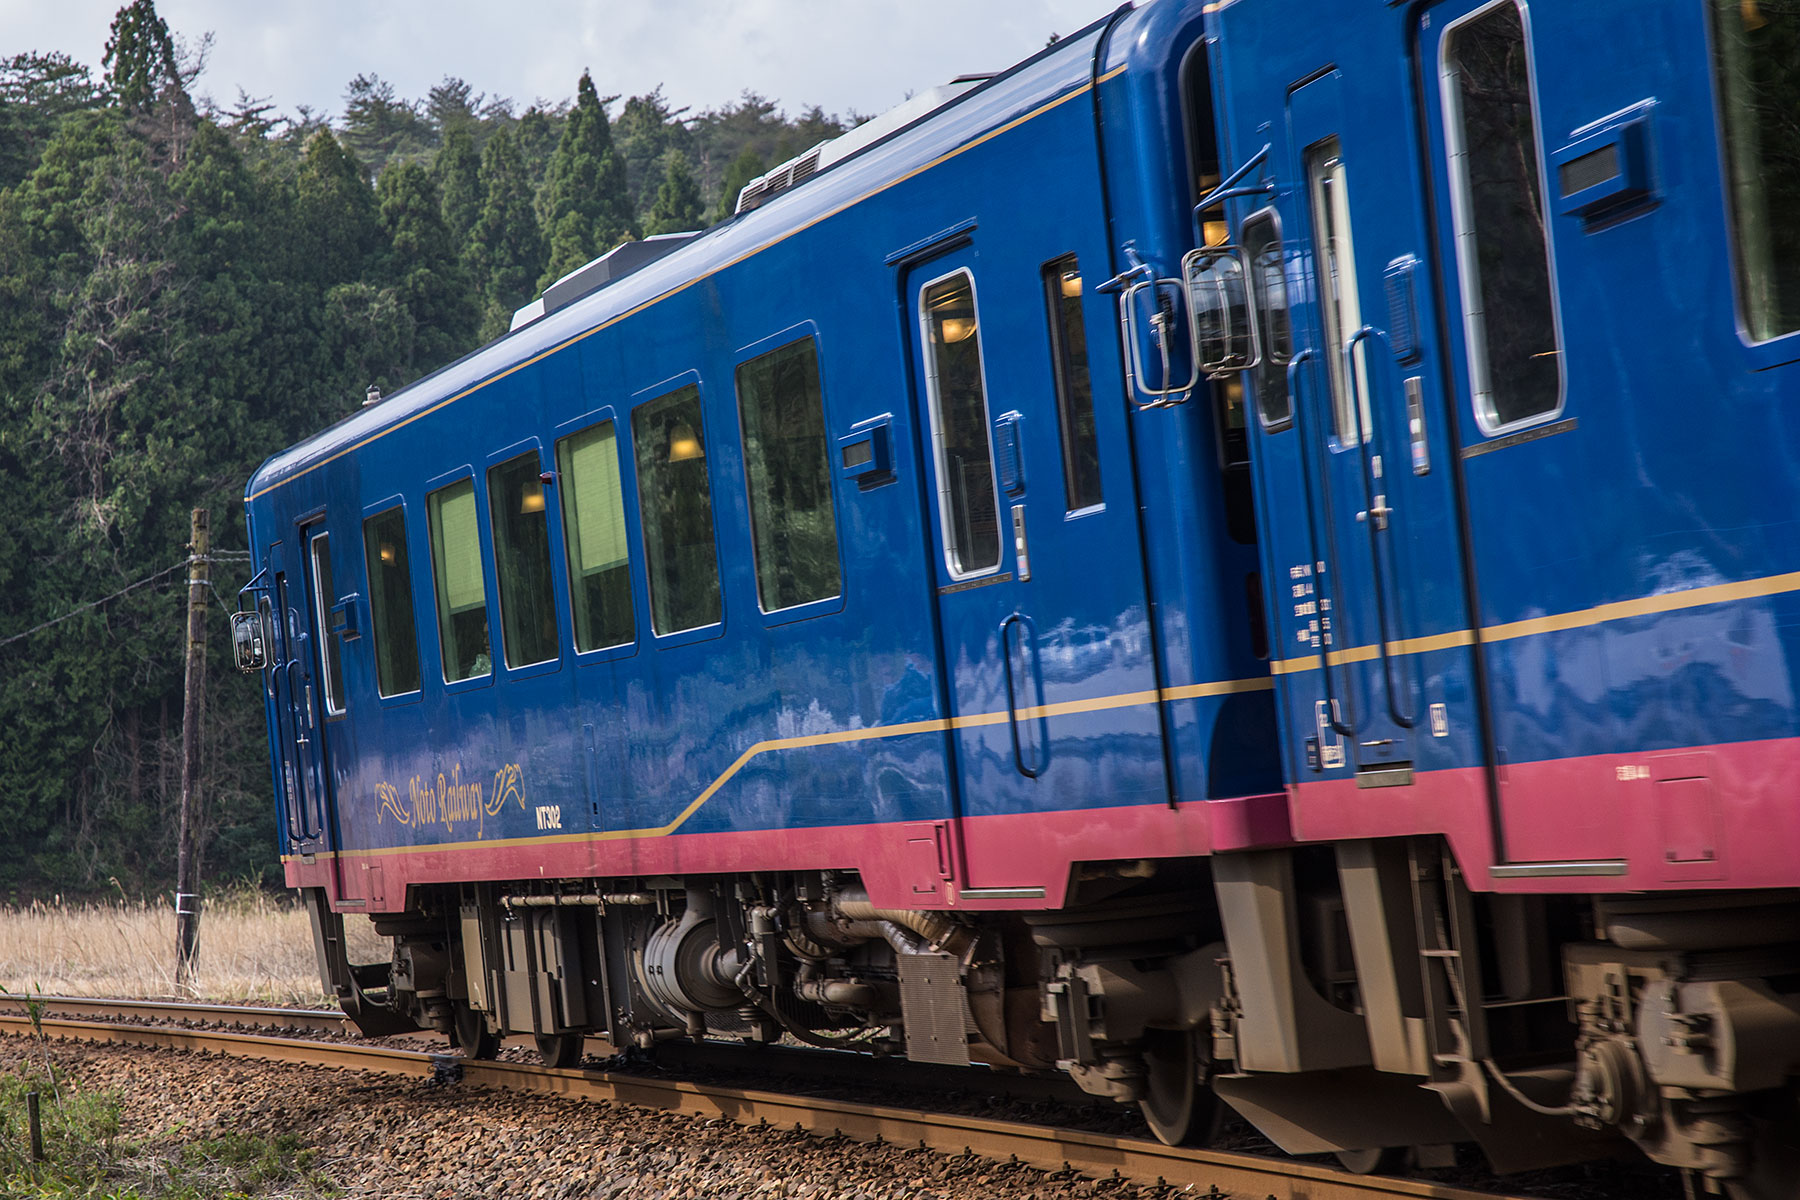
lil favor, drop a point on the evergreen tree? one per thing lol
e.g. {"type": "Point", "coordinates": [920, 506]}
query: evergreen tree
{"type": "Point", "coordinates": [423, 266]}
{"type": "Point", "coordinates": [457, 171]}
{"type": "Point", "coordinates": [744, 168]}
{"type": "Point", "coordinates": [450, 104]}
{"type": "Point", "coordinates": [379, 126]}
{"type": "Point", "coordinates": [506, 249]}
{"type": "Point", "coordinates": [585, 207]}
{"type": "Point", "coordinates": [335, 216]}
{"type": "Point", "coordinates": [140, 57]}
{"type": "Point", "coordinates": [645, 132]}
{"type": "Point", "coordinates": [677, 208]}
{"type": "Point", "coordinates": [537, 133]}
{"type": "Point", "coordinates": [37, 92]}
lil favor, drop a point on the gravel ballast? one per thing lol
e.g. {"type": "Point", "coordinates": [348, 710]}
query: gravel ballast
{"type": "Point", "coordinates": [405, 1138]}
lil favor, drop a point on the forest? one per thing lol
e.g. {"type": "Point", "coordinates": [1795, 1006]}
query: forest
{"type": "Point", "coordinates": [187, 286]}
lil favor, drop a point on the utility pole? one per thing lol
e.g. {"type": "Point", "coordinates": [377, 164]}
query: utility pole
{"type": "Point", "coordinates": [193, 707]}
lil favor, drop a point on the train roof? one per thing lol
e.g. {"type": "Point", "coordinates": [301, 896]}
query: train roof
{"type": "Point", "coordinates": [965, 120]}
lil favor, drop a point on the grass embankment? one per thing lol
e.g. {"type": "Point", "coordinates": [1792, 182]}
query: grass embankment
{"type": "Point", "coordinates": [87, 1154]}
{"type": "Point", "coordinates": [254, 949]}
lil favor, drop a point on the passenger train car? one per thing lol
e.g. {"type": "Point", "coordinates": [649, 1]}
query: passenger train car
{"type": "Point", "coordinates": [1250, 558]}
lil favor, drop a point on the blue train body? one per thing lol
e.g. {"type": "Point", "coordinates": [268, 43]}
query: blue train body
{"type": "Point", "coordinates": [1296, 488]}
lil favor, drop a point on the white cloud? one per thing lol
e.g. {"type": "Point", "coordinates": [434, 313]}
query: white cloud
{"type": "Point", "coordinates": [861, 55]}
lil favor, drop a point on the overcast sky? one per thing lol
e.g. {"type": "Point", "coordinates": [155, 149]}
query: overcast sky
{"type": "Point", "coordinates": [845, 55]}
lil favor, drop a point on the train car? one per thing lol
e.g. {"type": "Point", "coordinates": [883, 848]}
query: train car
{"type": "Point", "coordinates": [780, 633]}
{"type": "Point", "coordinates": [1193, 562]}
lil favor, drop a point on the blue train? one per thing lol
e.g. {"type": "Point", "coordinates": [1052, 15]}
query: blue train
{"type": "Point", "coordinates": [1250, 559]}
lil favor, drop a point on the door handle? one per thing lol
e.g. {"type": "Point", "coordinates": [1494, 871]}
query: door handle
{"type": "Point", "coordinates": [1012, 696]}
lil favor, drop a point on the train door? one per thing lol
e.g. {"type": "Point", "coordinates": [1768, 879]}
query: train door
{"type": "Point", "coordinates": [1521, 454]}
{"type": "Point", "coordinates": [1040, 595]}
{"type": "Point", "coordinates": [293, 694]}
{"type": "Point", "coordinates": [1372, 646]}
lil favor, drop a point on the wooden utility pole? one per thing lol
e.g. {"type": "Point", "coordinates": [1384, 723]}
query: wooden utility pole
{"type": "Point", "coordinates": [193, 708]}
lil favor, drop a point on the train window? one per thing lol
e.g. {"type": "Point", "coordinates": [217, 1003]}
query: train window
{"type": "Point", "coordinates": [1502, 248]}
{"type": "Point", "coordinates": [1074, 391]}
{"type": "Point", "coordinates": [788, 470]}
{"type": "Point", "coordinates": [391, 603]}
{"type": "Point", "coordinates": [331, 650]}
{"type": "Point", "coordinates": [676, 502]}
{"type": "Point", "coordinates": [1338, 297]}
{"type": "Point", "coordinates": [1759, 78]}
{"type": "Point", "coordinates": [593, 511]}
{"type": "Point", "coordinates": [959, 427]}
{"type": "Point", "coordinates": [1269, 293]}
{"type": "Point", "coordinates": [522, 561]}
{"type": "Point", "coordinates": [461, 593]}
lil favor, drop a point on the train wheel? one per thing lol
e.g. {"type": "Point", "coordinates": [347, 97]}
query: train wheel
{"type": "Point", "coordinates": [560, 1049]}
{"type": "Point", "coordinates": [472, 1034]}
{"type": "Point", "coordinates": [1180, 1109]}
{"type": "Point", "coordinates": [1387, 1160]}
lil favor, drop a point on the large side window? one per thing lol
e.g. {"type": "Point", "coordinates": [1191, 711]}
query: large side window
{"type": "Point", "coordinates": [959, 427]}
{"type": "Point", "coordinates": [522, 561]}
{"type": "Point", "coordinates": [1502, 244]}
{"type": "Point", "coordinates": [1758, 47]}
{"type": "Point", "coordinates": [461, 593]}
{"type": "Point", "coordinates": [331, 651]}
{"type": "Point", "coordinates": [1074, 390]}
{"type": "Point", "coordinates": [788, 470]}
{"type": "Point", "coordinates": [391, 603]}
{"type": "Point", "coordinates": [593, 511]}
{"type": "Point", "coordinates": [676, 502]}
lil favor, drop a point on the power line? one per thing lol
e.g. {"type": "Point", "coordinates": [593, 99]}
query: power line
{"type": "Point", "coordinates": [75, 612]}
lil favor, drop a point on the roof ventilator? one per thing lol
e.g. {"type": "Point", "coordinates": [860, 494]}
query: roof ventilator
{"type": "Point", "coordinates": [604, 271]}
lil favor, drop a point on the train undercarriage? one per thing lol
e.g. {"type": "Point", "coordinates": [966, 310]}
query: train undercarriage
{"type": "Point", "coordinates": [1357, 999]}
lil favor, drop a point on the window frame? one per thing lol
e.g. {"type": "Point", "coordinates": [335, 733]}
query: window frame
{"type": "Point", "coordinates": [322, 605]}
{"type": "Point", "coordinates": [491, 567]}
{"type": "Point", "coordinates": [637, 400]}
{"type": "Point", "coordinates": [1783, 348]}
{"type": "Point", "coordinates": [634, 565]}
{"type": "Point", "coordinates": [1346, 367]}
{"type": "Point", "coordinates": [793, 334]}
{"type": "Point", "coordinates": [369, 513]}
{"type": "Point", "coordinates": [1477, 372]}
{"type": "Point", "coordinates": [934, 408]}
{"type": "Point", "coordinates": [432, 486]}
{"type": "Point", "coordinates": [1271, 216]}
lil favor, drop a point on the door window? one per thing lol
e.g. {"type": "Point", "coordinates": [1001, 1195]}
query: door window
{"type": "Point", "coordinates": [391, 603]}
{"type": "Point", "coordinates": [1502, 242]}
{"type": "Point", "coordinates": [1339, 302]}
{"type": "Point", "coordinates": [959, 426]}
{"type": "Point", "coordinates": [788, 471]}
{"type": "Point", "coordinates": [1074, 390]}
{"type": "Point", "coordinates": [676, 501]}
{"type": "Point", "coordinates": [593, 508]}
{"type": "Point", "coordinates": [522, 561]}
{"type": "Point", "coordinates": [461, 592]}
{"type": "Point", "coordinates": [1268, 287]}
{"type": "Point", "coordinates": [1758, 63]}
{"type": "Point", "coordinates": [331, 651]}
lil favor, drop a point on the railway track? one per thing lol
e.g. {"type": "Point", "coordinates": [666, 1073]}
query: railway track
{"type": "Point", "coordinates": [1204, 1173]}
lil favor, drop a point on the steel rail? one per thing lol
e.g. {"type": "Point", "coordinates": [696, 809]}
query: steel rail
{"type": "Point", "coordinates": [1217, 1173]}
{"type": "Point", "coordinates": [240, 1016]}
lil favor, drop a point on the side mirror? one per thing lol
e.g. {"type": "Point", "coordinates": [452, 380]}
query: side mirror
{"type": "Point", "coordinates": [249, 641]}
{"type": "Point", "coordinates": [1224, 330]}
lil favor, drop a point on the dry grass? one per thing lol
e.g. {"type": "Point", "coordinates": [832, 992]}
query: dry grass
{"type": "Point", "coordinates": [254, 949]}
